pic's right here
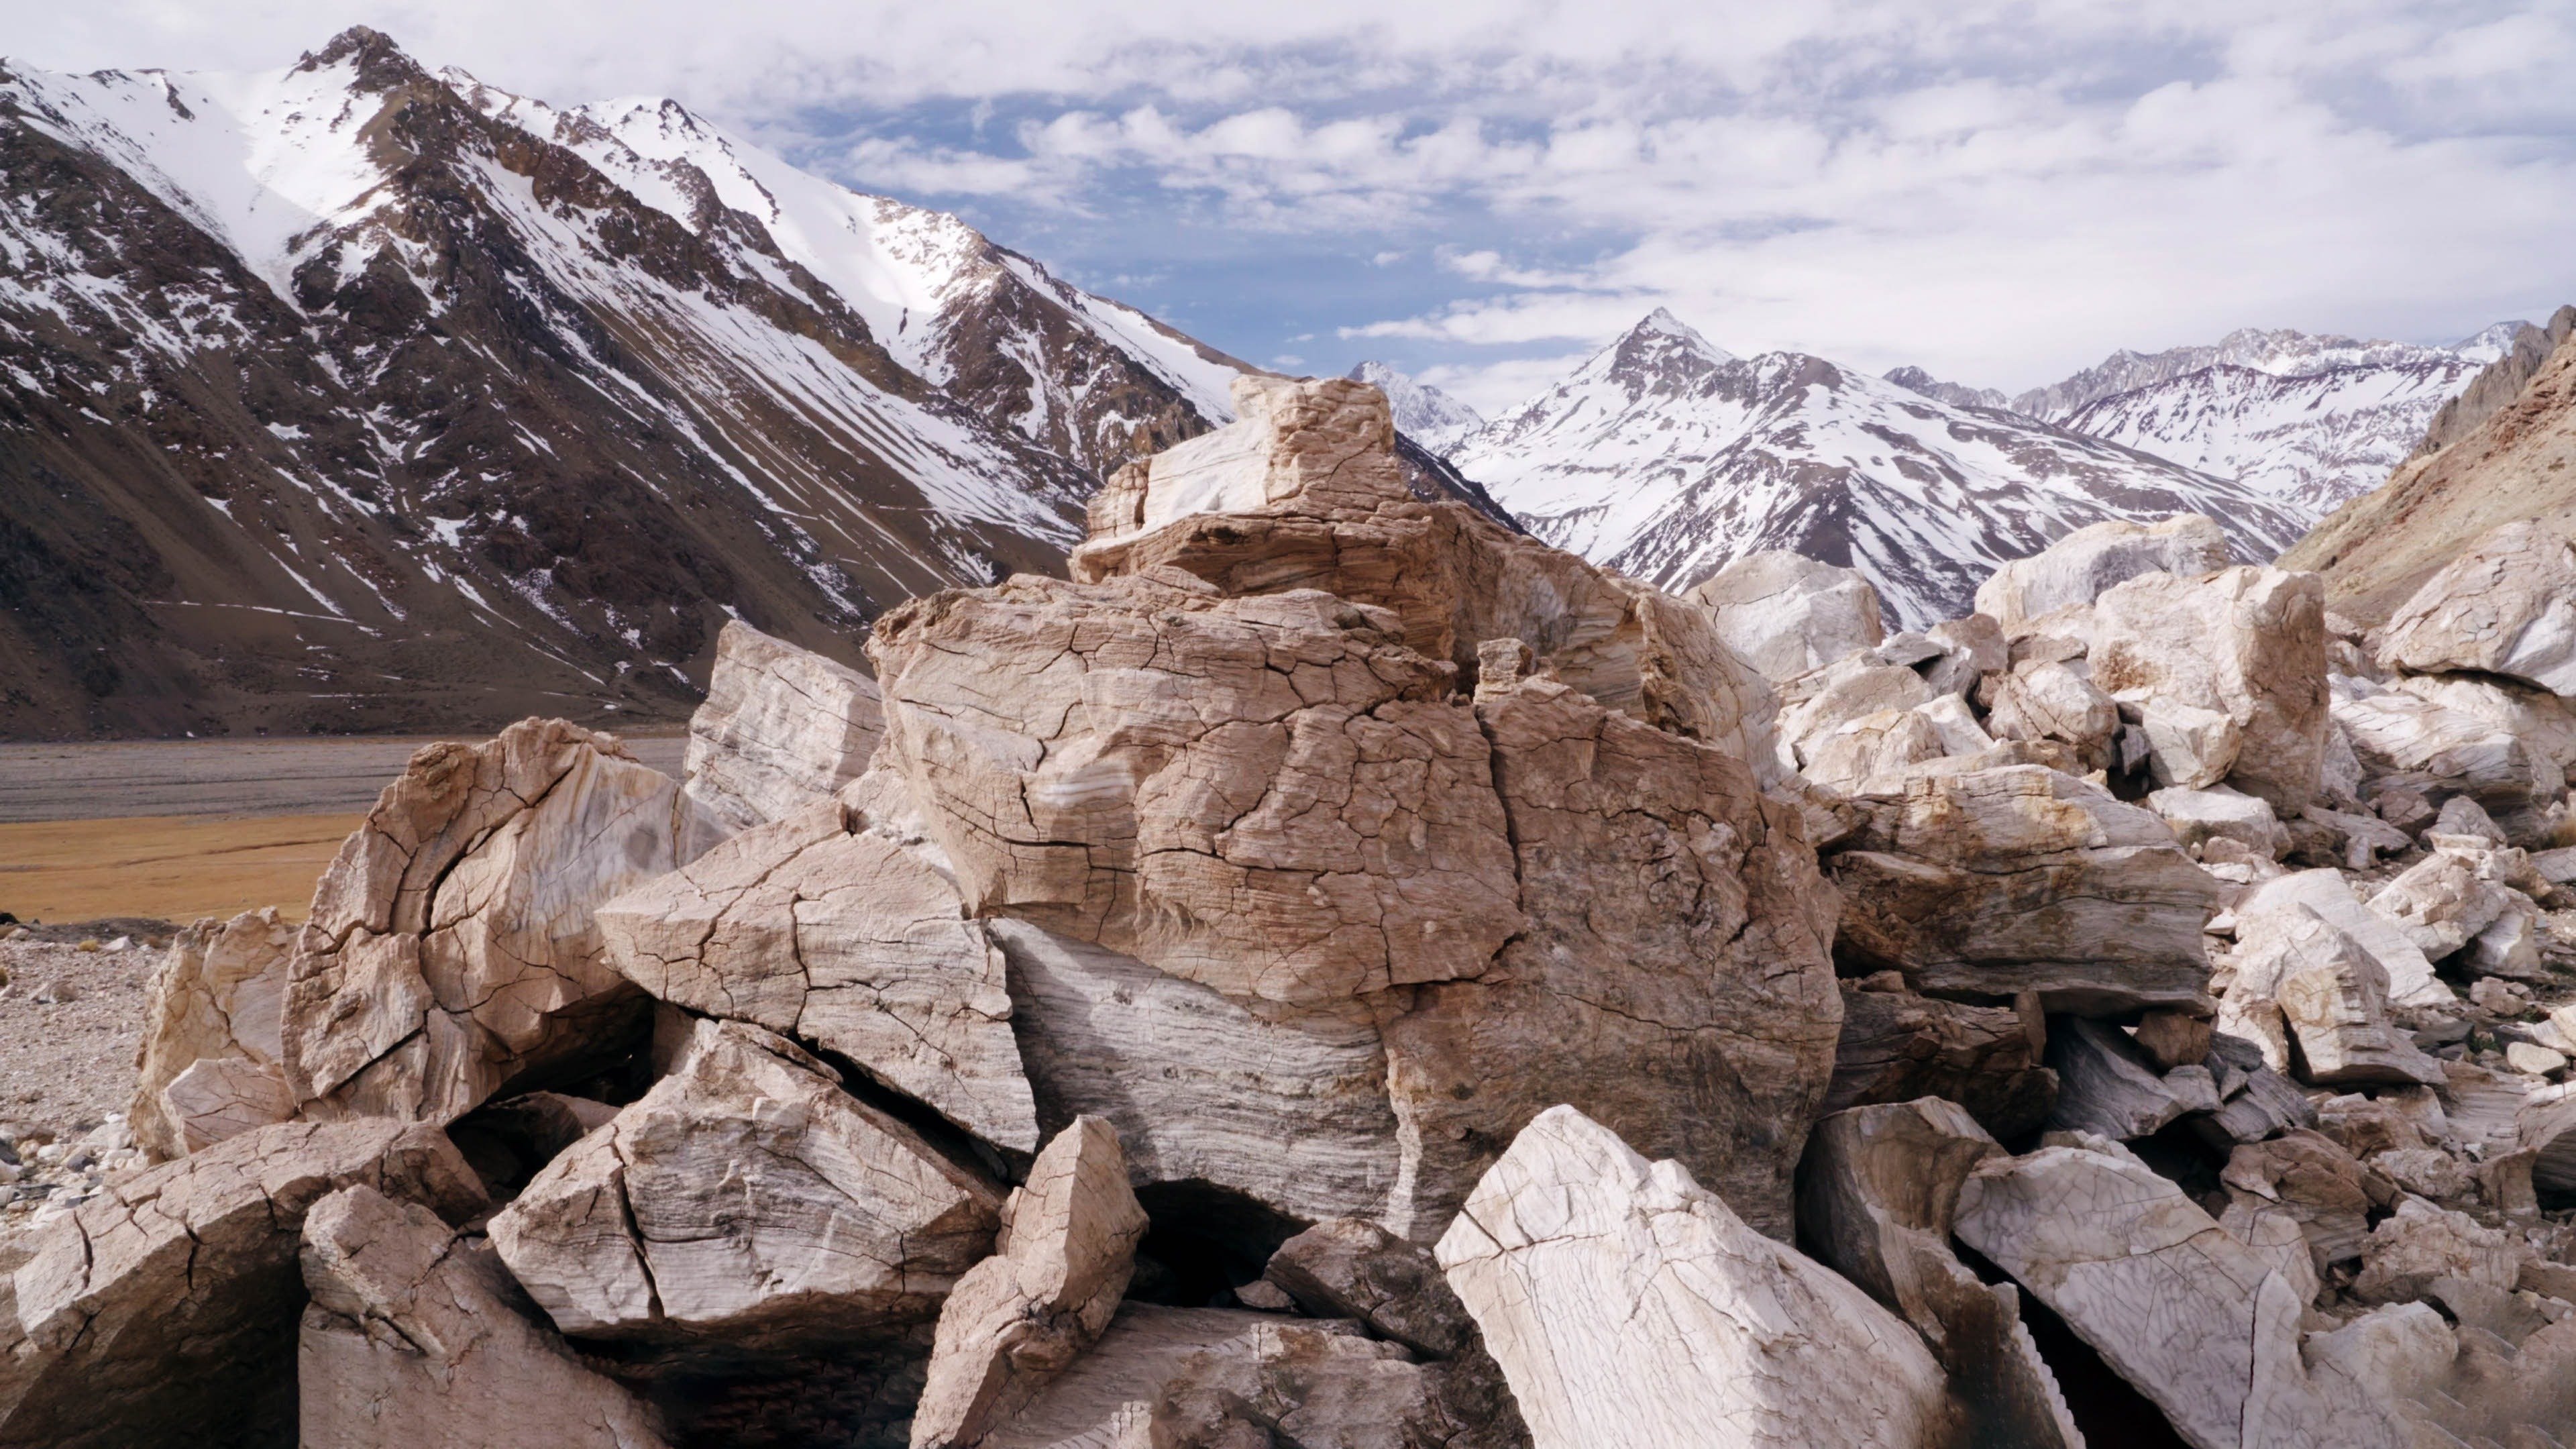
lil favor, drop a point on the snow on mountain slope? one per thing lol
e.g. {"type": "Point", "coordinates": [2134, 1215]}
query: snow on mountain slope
{"type": "Point", "coordinates": [2309, 420]}
{"type": "Point", "coordinates": [1666, 457]}
{"type": "Point", "coordinates": [1422, 412]}
{"type": "Point", "coordinates": [1081, 375]}
{"type": "Point", "coordinates": [331, 401]}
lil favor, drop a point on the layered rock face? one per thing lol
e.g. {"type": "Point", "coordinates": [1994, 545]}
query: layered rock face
{"type": "Point", "coordinates": [1336, 973]}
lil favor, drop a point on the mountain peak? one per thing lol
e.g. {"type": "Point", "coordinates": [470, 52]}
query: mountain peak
{"type": "Point", "coordinates": [1662, 323]}
{"type": "Point", "coordinates": [1422, 412]}
{"type": "Point", "coordinates": [381, 62]}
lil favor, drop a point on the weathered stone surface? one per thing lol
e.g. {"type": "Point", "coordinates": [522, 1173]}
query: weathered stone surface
{"type": "Point", "coordinates": [2442, 902]}
{"type": "Point", "coordinates": [1897, 1046]}
{"type": "Point", "coordinates": [1847, 691]}
{"type": "Point", "coordinates": [820, 928]}
{"type": "Point", "coordinates": [2544, 722]}
{"type": "Point", "coordinates": [1972, 648]}
{"type": "Point", "coordinates": [783, 728]}
{"type": "Point", "coordinates": [1876, 1196]}
{"type": "Point", "coordinates": [1627, 1305]}
{"type": "Point", "coordinates": [2079, 567]}
{"type": "Point", "coordinates": [1672, 978]}
{"type": "Point", "coordinates": [2198, 816]}
{"type": "Point", "coordinates": [1217, 1378]}
{"type": "Point", "coordinates": [2399, 734]}
{"type": "Point", "coordinates": [2421, 1242]}
{"type": "Point", "coordinates": [1287, 1106]}
{"type": "Point", "coordinates": [1018, 1318]}
{"type": "Point", "coordinates": [2105, 1085]}
{"type": "Point", "coordinates": [1787, 614]}
{"type": "Point", "coordinates": [2302, 981]}
{"type": "Point", "coordinates": [2411, 981]}
{"type": "Point", "coordinates": [2188, 747]}
{"type": "Point", "coordinates": [1316, 500]}
{"type": "Point", "coordinates": [2317, 1184]}
{"type": "Point", "coordinates": [2202, 1324]}
{"type": "Point", "coordinates": [451, 949]}
{"type": "Point", "coordinates": [2263, 1105]}
{"type": "Point", "coordinates": [1872, 754]}
{"type": "Point", "coordinates": [745, 1197]}
{"type": "Point", "coordinates": [1267, 795]}
{"type": "Point", "coordinates": [2507, 606]}
{"type": "Point", "coordinates": [208, 1067]}
{"type": "Point", "coordinates": [2246, 642]}
{"type": "Point", "coordinates": [162, 1311]}
{"type": "Point", "coordinates": [2053, 702]}
{"type": "Point", "coordinates": [415, 1336]}
{"type": "Point", "coordinates": [1994, 882]}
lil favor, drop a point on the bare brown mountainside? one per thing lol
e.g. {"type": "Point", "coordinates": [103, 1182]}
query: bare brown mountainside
{"type": "Point", "coordinates": [2518, 462]}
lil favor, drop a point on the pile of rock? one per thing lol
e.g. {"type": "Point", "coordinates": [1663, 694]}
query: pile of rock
{"type": "Point", "coordinates": [1335, 972]}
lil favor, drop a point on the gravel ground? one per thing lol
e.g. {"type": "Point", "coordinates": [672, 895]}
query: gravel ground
{"type": "Point", "coordinates": [69, 1021]}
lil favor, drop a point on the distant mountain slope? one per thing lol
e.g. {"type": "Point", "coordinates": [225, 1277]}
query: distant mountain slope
{"type": "Point", "coordinates": [353, 396]}
{"type": "Point", "coordinates": [1666, 457]}
{"type": "Point", "coordinates": [2516, 462]}
{"type": "Point", "coordinates": [1423, 413]}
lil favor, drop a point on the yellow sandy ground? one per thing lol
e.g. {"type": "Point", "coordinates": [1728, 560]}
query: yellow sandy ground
{"type": "Point", "coordinates": [176, 868]}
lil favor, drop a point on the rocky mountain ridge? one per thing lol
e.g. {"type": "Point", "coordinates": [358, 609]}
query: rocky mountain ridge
{"type": "Point", "coordinates": [1422, 412]}
{"type": "Point", "coordinates": [1667, 457]}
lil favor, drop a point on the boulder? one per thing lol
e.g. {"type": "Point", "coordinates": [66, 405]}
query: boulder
{"type": "Point", "coordinates": [2245, 642]}
{"type": "Point", "coordinates": [452, 949]}
{"type": "Point", "coordinates": [2077, 569]}
{"type": "Point", "coordinates": [2507, 606]}
{"type": "Point", "coordinates": [1897, 1046]}
{"type": "Point", "coordinates": [2544, 722]}
{"type": "Point", "coordinates": [745, 1198]}
{"type": "Point", "coordinates": [2420, 1243]}
{"type": "Point", "coordinates": [2304, 982]}
{"type": "Point", "coordinates": [1628, 1305]}
{"type": "Point", "coordinates": [2442, 902]}
{"type": "Point", "coordinates": [162, 1310]}
{"type": "Point", "coordinates": [1989, 883]}
{"type": "Point", "coordinates": [415, 1336]}
{"type": "Point", "coordinates": [209, 1064]}
{"type": "Point", "coordinates": [1219, 1378]}
{"type": "Point", "coordinates": [1304, 491]}
{"type": "Point", "coordinates": [1876, 1196]}
{"type": "Point", "coordinates": [2398, 735]}
{"type": "Point", "coordinates": [2199, 816]}
{"type": "Point", "coordinates": [1971, 648]}
{"type": "Point", "coordinates": [1270, 796]}
{"type": "Point", "coordinates": [1672, 977]}
{"type": "Point", "coordinates": [2314, 1181]}
{"type": "Point", "coordinates": [2188, 748]}
{"type": "Point", "coordinates": [2053, 702]}
{"type": "Point", "coordinates": [1018, 1318]}
{"type": "Point", "coordinates": [2105, 1085]}
{"type": "Point", "coordinates": [1874, 753]}
{"type": "Point", "coordinates": [2203, 1324]}
{"type": "Point", "coordinates": [1844, 692]}
{"type": "Point", "coordinates": [842, 936]}
{"type": "Point", "coordinates": [2411, 981]}
{"type": "Point", "coordinates": [1788, 614]}
{"type": "Point", "coordinates": [782, 729]}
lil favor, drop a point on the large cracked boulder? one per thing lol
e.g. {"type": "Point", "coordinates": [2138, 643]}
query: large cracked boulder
{"type": "Point", "coordinates": [2206, 1326]}
{"type": "Point", "coordinates": [451, 950]}
{"type": "Point", "coordinates": [827, 929]}
{"type": "Point", "coordinates": [1305, 491]}
{"type": "Point", "coordinates": [1672, 978]}
{"type": "Point", "coordinates": [746, 1199]}
{"type": "Point", "coordinates": [209, 1065]}
{"type": "Point", "coordinates": [416, 1336]}
{"type": "Point", "coordinates": [2247, 642]}
{"type": "Point", "coordinates": [2507, 606]}
{"type": "Point", "coordinates": [162, 1311]}
{"type": "Point", "coordinates": [2403, 735]}
{"type": "Point", "coordinates": [1020, 1317]}
{"type": "Point", "coordinates": [1628, 1305]}
{"type": "Point", "coordinates": [1271, 796]}
{"type": "Point", "coordinates": [1788, 614]}
{"type": "Point", "coordinates": [1989, 883]}
{"type": "Point", "coordinates": [782, 729]}
{"type": "Point", "coordinates": [2324, 893]}
{"type": "Point", "coordinates": [1897, 1046]}
{"type": "Point", "coordinates": [2305, 987]}
{"type": "Point", "coordinates": [2078, 568]}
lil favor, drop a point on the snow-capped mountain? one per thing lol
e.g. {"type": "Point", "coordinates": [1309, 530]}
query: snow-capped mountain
{"type": "Point", "coordinates": [351, 395]}
{"type": "Point", "coordinates": [2309, 420]}
{"type": "Point", "coordinates": [1665, 456]}
{"type": "Point", "coordinates": [1957, 395]}
{"type": "Point", "coordinates": [1423, 413]}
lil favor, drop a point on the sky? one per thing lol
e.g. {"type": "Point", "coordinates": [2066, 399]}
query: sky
{"type": "Point", "coordinates": [1482, 194]}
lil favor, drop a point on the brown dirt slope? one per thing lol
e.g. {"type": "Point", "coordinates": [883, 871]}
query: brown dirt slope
{"type": "Point", "coordinates": [2519, 463]}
